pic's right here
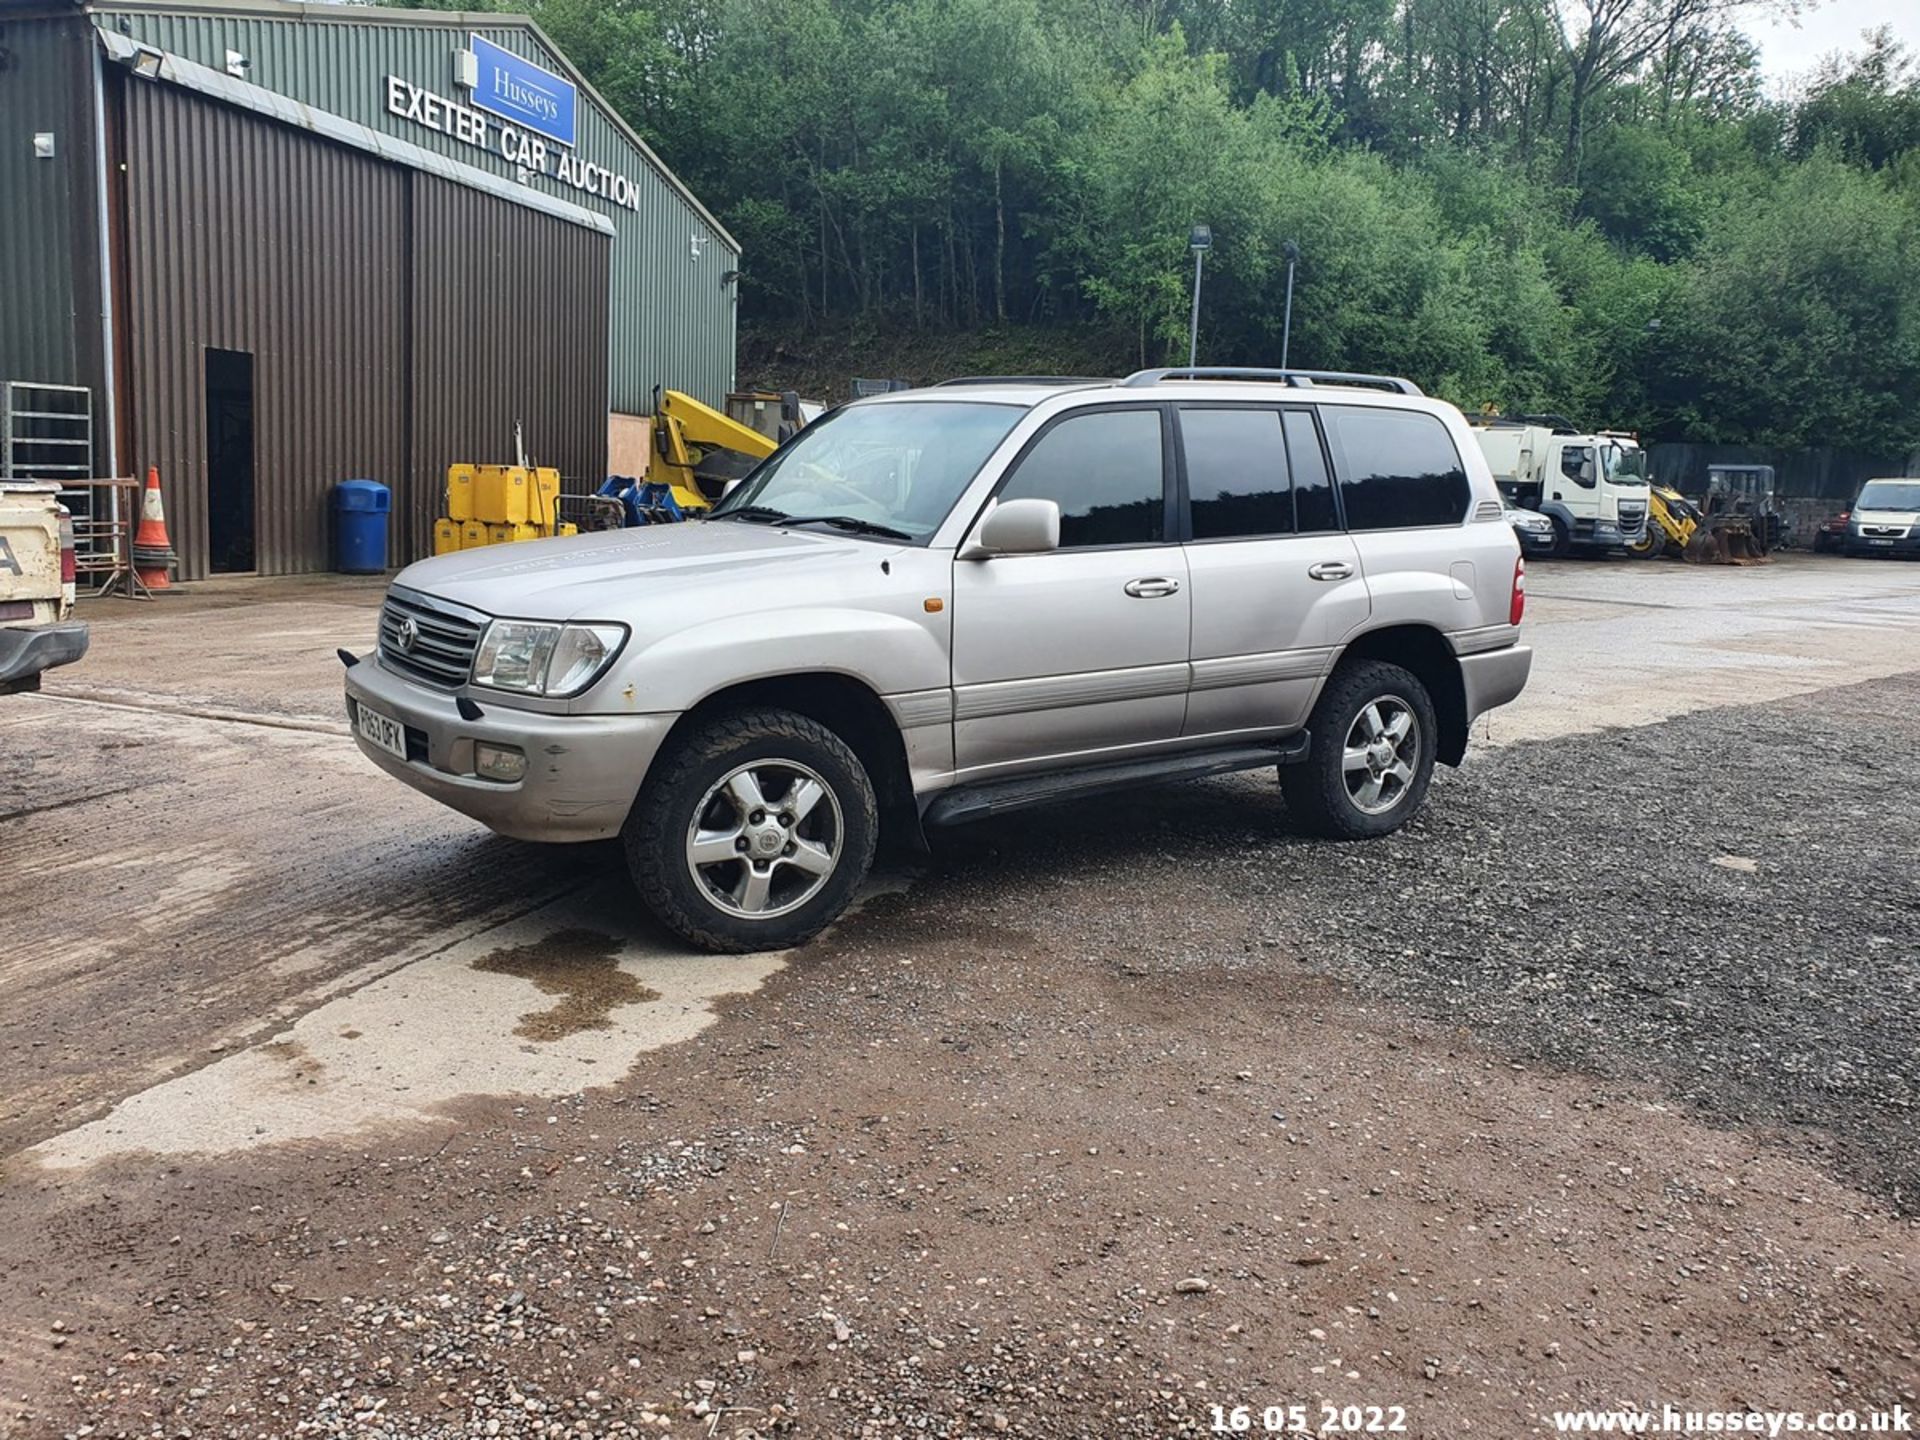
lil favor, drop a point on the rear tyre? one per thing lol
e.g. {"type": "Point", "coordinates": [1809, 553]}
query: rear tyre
{"type": "Point", "coordinates": [754, 833]}
{"type": "Point", "coordinates": [1371, 758]}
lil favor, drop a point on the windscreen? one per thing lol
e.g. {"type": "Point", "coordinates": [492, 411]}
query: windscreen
{"type": "Point", "coordinates": [1889, 495]}
{"type": "Point", "coordinates": [899, 466]}
{"type": "Point", "coordinates": [1626, 467]}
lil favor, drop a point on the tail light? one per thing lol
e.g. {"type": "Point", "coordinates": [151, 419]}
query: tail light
{"type": "Point", "coordinates": [1519, 605]}
{"type": "Point", "coordinates": [67, 562]}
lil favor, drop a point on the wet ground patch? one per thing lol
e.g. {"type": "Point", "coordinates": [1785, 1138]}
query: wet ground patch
{"type": "Point", "coordinates": [581, 967]}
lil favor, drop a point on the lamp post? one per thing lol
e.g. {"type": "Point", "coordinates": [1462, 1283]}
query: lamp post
{"type": "Point", "coordinates": [1199, 240]}
{"type": "Point", "coordinates": [1292, 252]}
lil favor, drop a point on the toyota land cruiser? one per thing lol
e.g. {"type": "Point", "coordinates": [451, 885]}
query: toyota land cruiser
{"type": "Point", "coordinates": [943, 604]}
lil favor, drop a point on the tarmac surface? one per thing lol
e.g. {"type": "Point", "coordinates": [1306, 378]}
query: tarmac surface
{"type": "Point", "coordinates": [1612, 1058]}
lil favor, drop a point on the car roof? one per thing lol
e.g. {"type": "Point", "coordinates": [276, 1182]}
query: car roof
{"type": "Point", "coordinates": [1208, 383]}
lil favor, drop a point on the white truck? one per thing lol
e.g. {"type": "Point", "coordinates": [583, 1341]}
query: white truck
{"type": "Point", "coordinates": [37, 631]}
{"type": "Point", "coordinates": [1589, 486]}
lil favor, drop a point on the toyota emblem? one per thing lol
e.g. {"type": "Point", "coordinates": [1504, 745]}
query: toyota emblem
{"type": "Point", "coordinates": [409, 632]}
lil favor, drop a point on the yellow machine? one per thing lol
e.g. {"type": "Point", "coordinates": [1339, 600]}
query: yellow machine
{"type": "Point", "coordinates": [697, 450]}
{"type": "Point", "coordinates": [1675, 525]}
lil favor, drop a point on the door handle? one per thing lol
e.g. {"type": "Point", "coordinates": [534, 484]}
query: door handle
{"type": "Point", "coordinates": [1331, 570]}
{"type": "Point", "coordinates": [1152, 587]}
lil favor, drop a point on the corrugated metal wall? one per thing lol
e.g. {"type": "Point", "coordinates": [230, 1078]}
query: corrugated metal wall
{"type": "Point", "coordinates": [246, 235]}
{"type": "Point", "coordinates": [673, 318]}
{"type": "Point", "coordinates": [509, 322]}
{"type": "Point", "coordinates": [50, 327]}
{"type": "Point", "coordinates": [398, 323]}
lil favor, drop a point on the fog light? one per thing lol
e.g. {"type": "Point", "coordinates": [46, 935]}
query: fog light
{"type": "Point", "coordinates": [498, 762]}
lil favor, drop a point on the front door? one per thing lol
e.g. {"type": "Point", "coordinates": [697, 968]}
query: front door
{"type": "Point", "coordinates": [1277, 584]}
{"type": "Point", "coordinates": [1079, 653]}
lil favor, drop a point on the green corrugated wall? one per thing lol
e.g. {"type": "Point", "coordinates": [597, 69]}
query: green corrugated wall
{"type": "Point", "coordinates": [49, 301]}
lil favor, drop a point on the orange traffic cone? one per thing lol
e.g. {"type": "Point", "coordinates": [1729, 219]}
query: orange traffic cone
{"type": "Point", "coordinates": [152, 550]}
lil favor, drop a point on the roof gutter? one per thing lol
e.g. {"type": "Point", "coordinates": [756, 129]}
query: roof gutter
{"type": "Point", "coordinates": [156, 64]}
{"type": "Point", "coordinates": [330, 11]}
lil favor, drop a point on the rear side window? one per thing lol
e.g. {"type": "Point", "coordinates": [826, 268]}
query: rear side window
{"type": "Point", "coordinates": [1397, 468]}
{"type": "Point", "coordinates": [1104, 471]}
{"type": "Point", "coordinates": [1312, 486]}
{"type": "Point", "coordinates": [1236, 473]}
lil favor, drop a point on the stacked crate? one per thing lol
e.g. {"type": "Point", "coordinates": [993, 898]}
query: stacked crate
{"type": "Point", "coordinates": [495, 504]}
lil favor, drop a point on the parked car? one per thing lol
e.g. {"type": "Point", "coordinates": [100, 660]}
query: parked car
{"type": "Point", "coordinates": [934, 606]}
{"type": "Point", "coordinates": [1831, 533]}
{"type": "Point", "coordinates": [1885, 519]}
{"type": "Point", "coordinates": [1533, 530]}
{"type": "Point", "coordinates": [37, 631]}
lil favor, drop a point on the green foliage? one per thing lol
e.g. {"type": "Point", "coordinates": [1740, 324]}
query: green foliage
{"type": "Point", "coordinates": [1532, 204]}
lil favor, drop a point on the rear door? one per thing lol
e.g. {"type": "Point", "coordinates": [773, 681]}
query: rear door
{"type": "Point", "coordinates": [1277, 584]}
{"type": "Point", "coordinates": [1080, 652]}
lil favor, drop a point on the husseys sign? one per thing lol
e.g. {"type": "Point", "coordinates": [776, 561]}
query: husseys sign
{"type": "Point", "coordinates": [521, 113]}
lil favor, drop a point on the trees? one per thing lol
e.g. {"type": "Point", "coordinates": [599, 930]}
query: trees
{"type": "Point", "coordinates": [1496, 197]}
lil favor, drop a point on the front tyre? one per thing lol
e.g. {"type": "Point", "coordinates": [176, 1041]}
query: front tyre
{"type": "Point", "coordinates": [1371, 758]}
{"type": "Point", "coordinates": [754, 833]}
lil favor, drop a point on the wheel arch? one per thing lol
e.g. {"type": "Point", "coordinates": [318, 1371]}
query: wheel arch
{"type": "Point", "coordinates": [1425, 652]}
{"type": "Point", "coordinates": [851, 709]}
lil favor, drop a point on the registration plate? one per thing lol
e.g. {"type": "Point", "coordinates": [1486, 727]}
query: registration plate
{"type": "Point", "coordinates": [381, 731]}
{"type": "Point", "coordinates": [1872, 541]}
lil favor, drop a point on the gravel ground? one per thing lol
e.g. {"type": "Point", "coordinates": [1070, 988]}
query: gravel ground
{"type": "Point", "coordinates": [1120, 1114]}
{"type": "Point", "coordinates": [1727, 905]}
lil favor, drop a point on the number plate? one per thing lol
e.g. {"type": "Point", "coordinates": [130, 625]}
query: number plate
{"type": "Point", "coordinates": [380, 730]}
{"type": "Point", "coordinates": [1873, 541]}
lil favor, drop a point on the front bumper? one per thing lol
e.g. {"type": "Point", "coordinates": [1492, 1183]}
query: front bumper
{"type": "Point", "coordinates": [1534, 542]}
{"type": "Point", "coordinates": [583, 771]}
{"type": "Point", "coordinates": [26, 650]}
{"type": "Point", "coordinates": [1908, 544]}
{"type": "Point", "coordinates": [1494, 677]}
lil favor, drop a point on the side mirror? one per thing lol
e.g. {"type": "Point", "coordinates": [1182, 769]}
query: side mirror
{"type": "Point", "coordinates": [1016, 527]}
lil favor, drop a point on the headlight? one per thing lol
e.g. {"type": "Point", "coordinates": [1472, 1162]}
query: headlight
{"type": "Point", "coordinates": [555, 660]}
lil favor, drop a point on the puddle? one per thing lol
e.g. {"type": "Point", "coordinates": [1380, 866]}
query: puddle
{"type": "Point", "coordinates": [581, 967]}
{"type": "Point", "coordinates": [468, 1020]}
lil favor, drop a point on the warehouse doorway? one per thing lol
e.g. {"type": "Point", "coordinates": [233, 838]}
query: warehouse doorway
{"type": "Point", "coordinates": [230, 509]}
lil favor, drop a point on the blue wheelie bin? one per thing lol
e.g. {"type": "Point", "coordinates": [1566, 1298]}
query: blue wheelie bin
{"type": "Point", "coordinates": [360, 509]}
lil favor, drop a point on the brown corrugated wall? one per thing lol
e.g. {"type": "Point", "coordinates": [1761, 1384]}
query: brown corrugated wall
{"type": "Point", "coordinates": [247, 235]}
{"type": "Point", "coordinates": [398, 322]}
{"type": "Point", "coordinates": [509, 323]}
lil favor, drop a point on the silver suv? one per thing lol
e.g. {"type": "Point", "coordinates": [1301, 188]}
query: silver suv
{"type": "Point", "coordinates": [943, 604]}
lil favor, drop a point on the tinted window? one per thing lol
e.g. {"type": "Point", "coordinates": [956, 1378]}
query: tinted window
{"type": "Point", "coordinates": [1397, 468]}
{"type": "Point", "coordinates": [1103, 470]}
{"type": "Point", "coordinates": [1236, 473]}
{"type": "Point", "coordinates": [1312, 487]}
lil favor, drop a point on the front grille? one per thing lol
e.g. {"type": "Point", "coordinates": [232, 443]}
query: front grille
{"type": "Point", "coordinates": [1631, 516]}
{"type": "Point", "coordinates": [1885, 532]}
{"type": "Point", "coordinates": [441, 653]}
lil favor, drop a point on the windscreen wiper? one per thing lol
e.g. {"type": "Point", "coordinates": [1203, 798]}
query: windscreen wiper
{"type": "Point", "coordinates": [848, 522]}
{"type": "Point", "coordinates": [764, 514]}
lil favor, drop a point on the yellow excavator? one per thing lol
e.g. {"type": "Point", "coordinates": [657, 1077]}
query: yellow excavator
{"type": "Point", "coordinates": [694, 453]}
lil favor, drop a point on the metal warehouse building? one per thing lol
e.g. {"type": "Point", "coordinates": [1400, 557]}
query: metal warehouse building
{"type": "Point", "coordinates": [269, 246]}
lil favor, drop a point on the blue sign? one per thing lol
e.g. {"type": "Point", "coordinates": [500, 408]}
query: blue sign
{"type": "Point", "coordinates": [520, 91]}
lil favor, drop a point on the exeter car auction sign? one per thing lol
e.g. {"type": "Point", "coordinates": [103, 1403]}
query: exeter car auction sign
{"type": "Point", "coordinates": [529, 121]}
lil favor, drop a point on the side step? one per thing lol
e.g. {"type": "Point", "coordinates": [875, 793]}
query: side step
{"type": "Point", "coordinates": [966, 803]}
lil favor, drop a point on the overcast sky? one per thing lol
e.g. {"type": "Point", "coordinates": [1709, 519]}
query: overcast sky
{"type": "Point", "coordinates": [1836, 25]}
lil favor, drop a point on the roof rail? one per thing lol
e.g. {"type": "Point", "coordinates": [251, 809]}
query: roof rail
{"type": "Point", "coordinates": [1285, 377]}
{"type": "Point", "coordinates": [1023, 380]}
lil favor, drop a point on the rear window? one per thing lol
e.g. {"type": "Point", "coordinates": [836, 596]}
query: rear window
{"type": "Point", "coordinates": [1397, 468]}
{"type": "Point", "coordinates": [1236, 473]}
